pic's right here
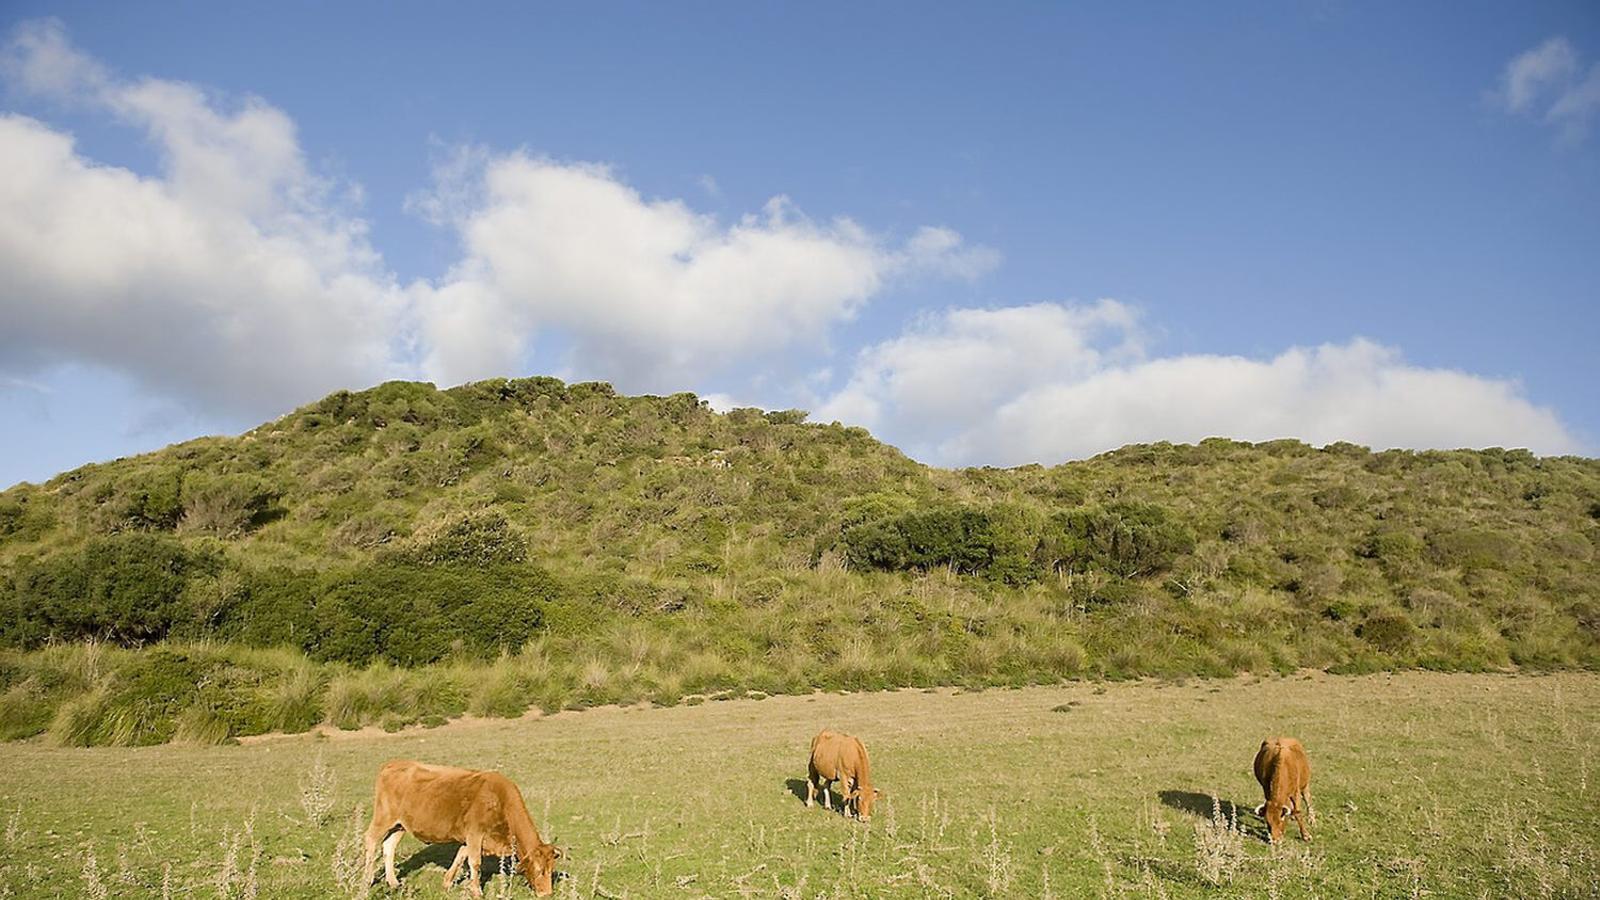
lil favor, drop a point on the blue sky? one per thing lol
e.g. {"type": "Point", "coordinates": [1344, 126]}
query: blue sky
{"type": "Point", "coordinates": [1008, 233]}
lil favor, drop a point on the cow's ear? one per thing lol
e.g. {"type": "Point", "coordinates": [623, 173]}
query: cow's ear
{"type": "Point", "coordinates": [559, 853]}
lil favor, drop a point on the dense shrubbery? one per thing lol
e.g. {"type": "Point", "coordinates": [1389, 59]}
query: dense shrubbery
{"type": "Point", "coordinates": [125, 588]}
{"type": "Point", "coordinates": [1124, 539]}
{"type": "Point", "coordinates": [618, 548]}
{"type": "Point", "coordinates": [136, 589]}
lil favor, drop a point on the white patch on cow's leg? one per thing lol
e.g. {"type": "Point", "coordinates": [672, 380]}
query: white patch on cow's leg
{"type": "Point", "coordinates": [811, 793]}
{"type": "Point", "coordinates": [827, 795]}
{"type": "Point", "coordinates": [475, 866]}
{"type": "Point", "coordinates": [389, 845]}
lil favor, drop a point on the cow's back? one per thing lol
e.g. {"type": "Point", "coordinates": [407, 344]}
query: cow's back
{"type": "Point", "coordinates": [1282, 767]}
{"type": "Point", "coordinates": [831, 754]}
{"type": "Point", "coordinates": [437, 803]}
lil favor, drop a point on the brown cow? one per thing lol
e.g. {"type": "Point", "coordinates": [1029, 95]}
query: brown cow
{"type": "Point", "coordinates": [1285, 776]}
{"type": "Point", "coordinates": [437, 804]}
{"type": "Point", "coordinates": [842, 758]}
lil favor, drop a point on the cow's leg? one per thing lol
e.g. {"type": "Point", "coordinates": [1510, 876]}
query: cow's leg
{"type": "Point", "coordinates": [811, 791]}
{"type": "Point", "coordinates": [374, 837]}
{"type": "Point", "coordinates": [1300, 818]}
{"type": "Point", "coordinates": [826, 787]}
{"type": "Point", "coordinates": [389, 845]}
{"type": "Point", "coordinates": [1311, 811]}
{"type": "Point", "coordinates": [450, 873]}
{"type": "Point", "coordinates": [474, 851]}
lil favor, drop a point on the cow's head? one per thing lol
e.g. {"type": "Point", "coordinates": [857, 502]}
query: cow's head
{"type": "Point", "coordinates": [863, 801]}
{"type": "Point", "coordinates": [539, 867]}
{"type": "Point", "coordinates": [1275, 814]}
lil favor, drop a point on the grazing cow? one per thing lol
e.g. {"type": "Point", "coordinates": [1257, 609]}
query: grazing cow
{"type": "Point", "coordinates": [1285, 776]}
{"type": "Point", "coordinates": [842, 758]}
{"type": "Point", "coordinates": [437, 804]}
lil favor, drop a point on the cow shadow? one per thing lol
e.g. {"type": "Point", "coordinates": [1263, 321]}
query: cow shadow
{"type": "Point", "coordinates": [797, 787]}
{"type": "Point", "coordinates": [1200, 805]}
{"type": "Point", "coordinates": [442, 855]}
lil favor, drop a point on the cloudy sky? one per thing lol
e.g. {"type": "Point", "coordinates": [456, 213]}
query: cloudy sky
{"type": "Point", "coordinates": [992, 234]}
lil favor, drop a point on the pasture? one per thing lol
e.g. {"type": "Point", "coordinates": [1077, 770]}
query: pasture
{"type": "Point", "coordinates": [1426, 785]}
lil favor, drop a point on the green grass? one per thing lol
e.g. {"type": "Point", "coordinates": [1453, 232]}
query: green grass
{"type": "Point", "coordinates": [1437, 785]}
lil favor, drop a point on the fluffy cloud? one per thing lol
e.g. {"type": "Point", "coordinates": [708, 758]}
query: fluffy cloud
{"type": "Point", "coordinates": [230, 278]}
{"type": "Point", "coordinates": [236, 279]}
{"type": "Point", "coordinates": [949, 372]}
{"type": "Point", "coordinates": [650, 291]}
{"type": "Point", "coordinates": [1550, 78]}
{"type": "Point", "coordinates": [1049, 382]}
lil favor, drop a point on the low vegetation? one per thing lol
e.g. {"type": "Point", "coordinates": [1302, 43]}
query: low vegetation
{"type": "Point", "coordinates": [406, 554]}
{"type": "Point", "coordinates": [1425, 785]}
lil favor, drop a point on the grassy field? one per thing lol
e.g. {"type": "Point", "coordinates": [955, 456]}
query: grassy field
{"type": "Point", "coordinates": [1425, 785]}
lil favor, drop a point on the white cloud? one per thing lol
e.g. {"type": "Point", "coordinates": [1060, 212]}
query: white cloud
{"type": "Point", "coordinates": [651, 292]}
{"type": "Point", "coordinates": [236, 279]}
{"type": "Point", "coordinates": [1547, 78]}
{"type": "Point", "coordinates": [1531, 72]}
{"type": "Point", "coordinates": [1049, 382]}
{"type": "Point", "coordinates": [1577, 106]}
{"type": "Point", "coordinates": [948, 372]}
{"type": "Point", "coordinates": [229, 279]}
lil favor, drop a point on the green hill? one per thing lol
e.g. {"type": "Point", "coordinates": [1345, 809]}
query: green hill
{"type": "Point", "coordinates": [406, 553]}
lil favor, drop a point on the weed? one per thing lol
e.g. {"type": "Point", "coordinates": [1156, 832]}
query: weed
{"type": "Point", "coordinates": [1219, 844]}
{"type": "Point", "coordinates": [94, 886]}
{"type": "Point", "coordinates": [317, 793]}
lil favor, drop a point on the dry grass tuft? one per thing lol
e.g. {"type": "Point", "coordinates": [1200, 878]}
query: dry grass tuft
{"type": "Point", "coordinates": [1219, 844]}
{"type": "Point", "coordinates": [317, 793]}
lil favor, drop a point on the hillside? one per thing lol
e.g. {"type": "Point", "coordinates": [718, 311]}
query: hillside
{"type": "Point", "coordinates": [591, 547]}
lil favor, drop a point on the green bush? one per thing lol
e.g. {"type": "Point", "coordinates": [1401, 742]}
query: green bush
{"type": "Point", "coordinates": [226, 505]}
{"type": "Point", "coordinates": [479, 539]}
{"type": "Point", "coordinates": [1389, 630]}
{"type": "Point", "coordinates": [1126, 539]}
{"type": "Point", "coordinates": [123, 588]}
{"type": "Point", "coordinates": [411, 615]}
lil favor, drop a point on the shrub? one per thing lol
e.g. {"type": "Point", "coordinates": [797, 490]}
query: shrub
{"type": "Point", "coordinates": [1474, 548]}
{"type": "Point", "coordinates": [225, 505]}
{"type": "Point", "coordinates": [123, 588]}
{"type": "Point", "coordinates": [997, 541]}
{"type": "Point", "coordinates": [1126, 539]}
{"type": "Point", "coordinates": [1389, 630]}
{"type": "Point", "coordinates": [411, 615]}
{"type": "Point", "coordinates": [477, 539]}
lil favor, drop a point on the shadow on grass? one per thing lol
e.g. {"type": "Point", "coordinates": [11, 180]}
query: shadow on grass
{"type": "Point", "coordinates": [797, 787]}
{"type": "Point", "coordinates": [442, 855]}
{"type": "Point", "coordinates": [1197, 804]}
